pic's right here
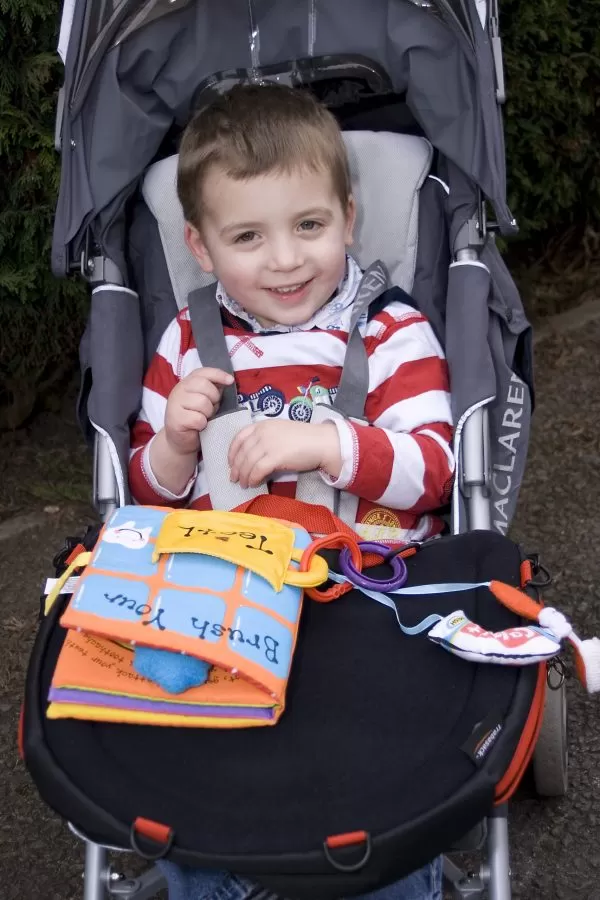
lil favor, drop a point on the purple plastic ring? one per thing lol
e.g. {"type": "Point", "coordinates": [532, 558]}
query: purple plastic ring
{"type": "Point", "coordinates": [363, 581]}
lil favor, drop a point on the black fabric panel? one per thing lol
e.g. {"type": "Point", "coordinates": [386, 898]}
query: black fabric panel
{"type": "Point", "coordinates": [433, 257]}
{"type": "Point", "coordinates": [371, 739]}
{"type": "Point", "coordinates": [392, 295]}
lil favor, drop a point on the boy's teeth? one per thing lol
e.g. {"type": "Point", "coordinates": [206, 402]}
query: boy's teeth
{"type": "Point", "coordinates": [288, 290]}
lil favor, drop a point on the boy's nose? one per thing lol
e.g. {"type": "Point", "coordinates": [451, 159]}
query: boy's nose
{"type": "Point", "coordinates": [286, 255]}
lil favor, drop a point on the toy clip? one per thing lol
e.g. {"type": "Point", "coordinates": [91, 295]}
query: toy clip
{"type": "Point", "coordinates": [587, 652]}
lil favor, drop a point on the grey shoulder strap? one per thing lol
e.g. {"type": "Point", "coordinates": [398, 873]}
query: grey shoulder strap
{"type": "Point", "coordinates": [207, 328]}
{"type": "Point", "coordinates": [350, 399]}
{"type": "Point", "coordinates": [354, 382]}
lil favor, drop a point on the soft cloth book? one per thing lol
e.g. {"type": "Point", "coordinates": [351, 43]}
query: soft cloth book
{"type": "Point", "coordinates": [224, 587]}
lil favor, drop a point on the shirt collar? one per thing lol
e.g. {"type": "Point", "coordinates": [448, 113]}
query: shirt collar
{"type": "Point", "coordinates": [333, 315]}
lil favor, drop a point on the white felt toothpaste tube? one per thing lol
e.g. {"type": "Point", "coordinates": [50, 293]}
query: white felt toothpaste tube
{"type": "Point", "coordinates": [511, 647]}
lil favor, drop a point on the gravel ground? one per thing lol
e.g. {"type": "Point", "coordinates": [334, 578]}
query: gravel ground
{"type": "Point", "coordinates": [44, 474]}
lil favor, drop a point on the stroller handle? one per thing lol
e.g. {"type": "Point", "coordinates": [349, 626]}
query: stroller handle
{"type": "Point", "coordinates": [298, 72]}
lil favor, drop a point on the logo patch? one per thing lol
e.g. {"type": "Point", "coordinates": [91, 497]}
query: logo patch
{"type": "Point", "coordinates": [483, 738]}
{"type": "Point", "coordinates": [381, 518]}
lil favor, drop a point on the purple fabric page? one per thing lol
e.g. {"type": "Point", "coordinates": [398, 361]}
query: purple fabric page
{"type": "Point", "coordinates": [94, 698]}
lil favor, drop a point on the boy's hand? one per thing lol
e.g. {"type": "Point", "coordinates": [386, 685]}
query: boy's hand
{"type": "Point", "coordinates": [191, 404]}
{"type": "Point", "coordinates": [267, 447]}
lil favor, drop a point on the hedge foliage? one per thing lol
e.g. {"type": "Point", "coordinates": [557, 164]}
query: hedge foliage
{"type": "Point", "coordinates": [552, 54]}
{"type": "Point", "coordinates": [40, 318]}
{"type": "Point", "coordinates": [552, 117]}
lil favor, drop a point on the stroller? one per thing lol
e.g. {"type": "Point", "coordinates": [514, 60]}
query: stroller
{"type": "Point", "coordinates": [417, 86]}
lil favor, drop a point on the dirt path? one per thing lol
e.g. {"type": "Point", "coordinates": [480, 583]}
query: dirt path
{"type": "Point", "coordinates": [44, 484]}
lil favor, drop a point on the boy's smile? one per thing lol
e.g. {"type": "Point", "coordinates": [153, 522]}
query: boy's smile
{"type": "Point", "coordinates": [277, 242]}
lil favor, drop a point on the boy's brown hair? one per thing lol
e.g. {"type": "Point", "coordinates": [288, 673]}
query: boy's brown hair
{"type": "Point", "coordinates": [255, 129]}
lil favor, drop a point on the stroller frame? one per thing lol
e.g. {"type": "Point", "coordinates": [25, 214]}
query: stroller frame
{"type": "Point", "coordinates": [101, 881]}
{"type": "Point", "coordinates": [100, 263]}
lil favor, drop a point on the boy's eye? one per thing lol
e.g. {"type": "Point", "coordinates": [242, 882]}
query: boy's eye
{"type": "Point", "coordinates": [246, 237]}
{"type": "Point", "coordinates": [309, 225]}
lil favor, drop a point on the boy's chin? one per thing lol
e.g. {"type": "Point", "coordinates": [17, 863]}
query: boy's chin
{"type": "Point", "coordinates": [299, 317]}
{"type": "Point", "coordinates": [295, 315]}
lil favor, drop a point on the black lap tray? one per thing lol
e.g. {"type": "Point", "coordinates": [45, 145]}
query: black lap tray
{"type": "Point", "coordinates": [372, 739]}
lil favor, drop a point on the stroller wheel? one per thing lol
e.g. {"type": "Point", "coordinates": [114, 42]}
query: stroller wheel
{"type": "Point", "coordinates": [550, 758]}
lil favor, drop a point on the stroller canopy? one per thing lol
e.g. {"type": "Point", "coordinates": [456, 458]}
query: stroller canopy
{"type": "Point", "coordinates": [133, 71]}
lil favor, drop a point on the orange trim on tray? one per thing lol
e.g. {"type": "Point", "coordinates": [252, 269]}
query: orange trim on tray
{"type": "Point", "coordinates": [153, 830]}
{"type": "Point", "coordinates": [79, 548]}
{"type": "Point", "coordinates": [509, 782]}
{"type": "Point", "coordinates": [346, 840]}
{"type": "Point", "coordinates": [21, 733]}
{"type": "Point", "coordinates": [526, 570]}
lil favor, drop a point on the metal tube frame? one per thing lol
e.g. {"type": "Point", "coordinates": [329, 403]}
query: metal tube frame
{"type": "Point", "coordinates": [95, 876]}
{"type": "Point", "coordinates": [493, 877]}
{"type": "Point", "coordinates": [474, 480]}
{"type": "Point", "coordinates": [474, 458]}
{"type": "Point", "coordinates": [105, 492]}
{"type": "Point", "coordinates": [101, 882]}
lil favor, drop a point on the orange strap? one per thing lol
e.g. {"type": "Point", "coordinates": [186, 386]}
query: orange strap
{"type": "Point", "coordinates": [515, 600]}
{"type": "Point", "coordinates": [317, 520]}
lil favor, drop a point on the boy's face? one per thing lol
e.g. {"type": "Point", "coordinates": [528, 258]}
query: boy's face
{"type": "Point", "coordinates": [277, 242]}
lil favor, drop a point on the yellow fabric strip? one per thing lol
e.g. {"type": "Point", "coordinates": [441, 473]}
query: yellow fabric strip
{"type": "Point", "coordinates": [131, 717]}
{"type": "Point", "coordinates": [184, 700]}
{"type": "Point", "coordinates": [78, 563]}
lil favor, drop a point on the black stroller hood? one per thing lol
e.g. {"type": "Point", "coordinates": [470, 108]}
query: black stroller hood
{"type": "Point", "coordinates": [133, 70]}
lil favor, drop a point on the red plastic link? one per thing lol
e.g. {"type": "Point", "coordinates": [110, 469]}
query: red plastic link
{"type": "Point", "coordinates": [335, 541]}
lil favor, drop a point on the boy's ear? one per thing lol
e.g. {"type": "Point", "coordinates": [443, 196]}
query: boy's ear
{"type": "Point", "coordinates": [198, 248]}
{"type": "Point", "coordinates": [350, 221]}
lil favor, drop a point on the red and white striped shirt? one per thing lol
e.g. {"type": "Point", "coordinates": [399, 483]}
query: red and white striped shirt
{"type": "Point", "coordinates": [400, 464]}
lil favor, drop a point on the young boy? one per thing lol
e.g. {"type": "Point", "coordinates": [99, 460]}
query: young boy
{"type": "Point", "coordinates": [264, 184]}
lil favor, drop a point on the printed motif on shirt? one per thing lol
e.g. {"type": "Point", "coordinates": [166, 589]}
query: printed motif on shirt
{"type": "Point", "coordinates": [270, 402]}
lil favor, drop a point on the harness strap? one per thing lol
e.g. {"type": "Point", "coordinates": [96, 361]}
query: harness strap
{"type": "Point", "coordinates": [353, 388]}
{"type": "Point", "coordinates": [351, 397]}
{"type": "Point", "coordinates": [207, 328]}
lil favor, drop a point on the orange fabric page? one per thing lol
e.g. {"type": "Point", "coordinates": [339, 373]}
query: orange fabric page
{"type": "Point", "coordinates": [91, 663]}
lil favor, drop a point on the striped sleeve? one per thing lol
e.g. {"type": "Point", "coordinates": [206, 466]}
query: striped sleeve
{"type": "Point", "coordinates": [162, 376]}
{"type": "Point", "coordinates": [403, 458]}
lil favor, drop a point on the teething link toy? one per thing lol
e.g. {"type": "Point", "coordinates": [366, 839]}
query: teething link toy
{"type": "Point", "coordinates": [336, 541]}
{"type": "Point", "coordinates": [400, 572]}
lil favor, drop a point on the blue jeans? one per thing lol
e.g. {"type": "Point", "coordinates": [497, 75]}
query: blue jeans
{"type": "Point", "coordinates": [186, 883]}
